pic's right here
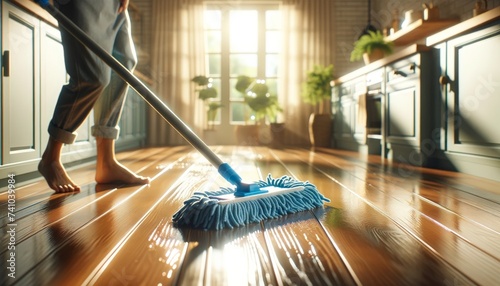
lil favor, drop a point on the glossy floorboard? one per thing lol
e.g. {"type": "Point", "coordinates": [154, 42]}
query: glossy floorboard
{"type": "Point", "coordinates": [385, 225]}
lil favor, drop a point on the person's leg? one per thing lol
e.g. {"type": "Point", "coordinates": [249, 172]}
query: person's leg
{"type": "Point", "coordinates": [107, 112]}
{"type": "Point", "coordinates": [88, 77]}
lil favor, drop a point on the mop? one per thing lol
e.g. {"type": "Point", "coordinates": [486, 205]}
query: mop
{"type": "Point", "coordinates": [244, 202]}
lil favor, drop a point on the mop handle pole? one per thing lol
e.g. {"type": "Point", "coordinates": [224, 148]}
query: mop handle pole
{"type": "Point", "coordinates": [136, 84]}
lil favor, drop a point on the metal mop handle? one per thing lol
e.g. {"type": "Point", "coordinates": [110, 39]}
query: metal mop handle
{"type": "Point", "coordinates": [224, 169]}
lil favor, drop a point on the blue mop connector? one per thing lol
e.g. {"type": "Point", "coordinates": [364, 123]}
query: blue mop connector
{"type": "Point", "coordinates": [242, 189]}
{"type": "Point", "coordinates": [43, 3]}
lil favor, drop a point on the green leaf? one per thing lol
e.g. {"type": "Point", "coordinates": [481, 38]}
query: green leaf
{"type": "Point", "coordinates": [207, 93]}
{"type": "Point", "coordinates": [317, 87]}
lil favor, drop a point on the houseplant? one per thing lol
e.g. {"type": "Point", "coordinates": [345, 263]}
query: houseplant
{"type": "Point", "coordinates": [205, 92]}
{"type": "Point", "coordinates": [256, 95]}
{"type": "Point", "coordinates": [262, 103]}
{"type": "Point", "coordinates": [371, 47]}
{"type": "Point", "coordinates": [316, 90]}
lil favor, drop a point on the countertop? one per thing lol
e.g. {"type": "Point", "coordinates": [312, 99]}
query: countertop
{"type": "Point", "coordinates": [405, 52]}
{"type": "Point", "coordinates": [36, 10]}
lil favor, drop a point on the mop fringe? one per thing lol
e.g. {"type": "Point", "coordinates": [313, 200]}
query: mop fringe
{"type": "Point", "coordinates": [203, 212]}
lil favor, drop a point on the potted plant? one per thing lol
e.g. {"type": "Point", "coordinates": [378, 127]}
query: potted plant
{"type": "Point", "coordinates": [205, 92]}
{"type": "Point", "coordinates": [262, 103]}
{"type": "Point", "coordinates": [316, 90]}
{"type": "Point", "coordinates": [371, 47]}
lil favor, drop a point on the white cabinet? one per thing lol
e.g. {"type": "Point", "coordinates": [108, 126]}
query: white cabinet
{"type": "Point", "coordinates": [21, 80]}
{"type": "Point", "coordinates": [33, 74]}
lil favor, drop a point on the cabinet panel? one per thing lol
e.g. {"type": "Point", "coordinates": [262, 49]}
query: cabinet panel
{"type": "Point", "coordinates": [401, 113]}
{"type": "Point", "coordinates": [20, 122]}
{"type": "Point", "coordinates": [348, 115]}
{"type": "Point", "coordinates": [479, 92]}
{"type": "Point", "coordinates": [474, 95]}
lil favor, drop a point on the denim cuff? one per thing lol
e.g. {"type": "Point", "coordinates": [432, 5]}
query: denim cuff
{"type": "Point", "coordinates": [105, 132]}
{"type": "Point", "coordinates": [61, 135]}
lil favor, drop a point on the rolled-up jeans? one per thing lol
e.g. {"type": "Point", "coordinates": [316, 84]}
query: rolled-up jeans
{"type": "Point", "coordinates": [92, 83]}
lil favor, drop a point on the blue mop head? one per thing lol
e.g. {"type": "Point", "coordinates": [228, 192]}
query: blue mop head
{"type": "Point", "coordinates": [203, 211]}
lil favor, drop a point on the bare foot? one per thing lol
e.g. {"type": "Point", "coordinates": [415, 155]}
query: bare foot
{"type": "Point", "coordinates": [109, 170]}
{"type": "Point", "coordinates": [114, 172]}
{"type": "Point", "coordinates": [53, 170]}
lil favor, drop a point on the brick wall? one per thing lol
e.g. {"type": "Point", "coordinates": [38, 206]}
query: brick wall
{"type": "Point", "coordinates": [351, 18]}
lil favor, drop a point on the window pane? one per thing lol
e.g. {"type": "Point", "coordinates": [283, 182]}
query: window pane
{"type": "Point", "coordinates": [233, 93]}
{"type": "Point", "coordinates": [243, 65]}
{"type": "Point", "coordinates": [213, 41]}
{"type": "Point", "coordinates": [243, 31]}
{"type": "Point", "coordinates": [273, 86]}
{"type": "Point", "coordinates": [273, 19]}
{"type": "Point", "coordinates": [214, 116]}
{"type": "Point", "coordinates": [237, 111]}
{"type": "Point", "coordinates": [216, 84]}
{"type": "Point", "coordinates": [241, 113]}
{"type": "Point", "coordinates": [273, 41]}
{"type": "Point", "coordinates": [272, 62]}
{"type": "Point", "coordinates": [212, 19]}
{"type": "Point", "coordinates": [214, 65]}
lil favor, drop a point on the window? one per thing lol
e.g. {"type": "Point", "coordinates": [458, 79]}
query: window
{"type": "Point", "coordinates": [243, 40]}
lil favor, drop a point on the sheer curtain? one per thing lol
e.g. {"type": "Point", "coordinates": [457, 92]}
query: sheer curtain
{"type": "Point", "coordinates": [177, 55]}
{"type": "Point", "coordinates": [308, 40]}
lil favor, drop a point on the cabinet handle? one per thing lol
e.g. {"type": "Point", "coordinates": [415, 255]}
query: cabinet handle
{"type": "Point", "coordinates": [444, 80]}
{"type": "Point", "coordinates": [6, 63]}
{"type": "Point", "coordinates": [396, 72]}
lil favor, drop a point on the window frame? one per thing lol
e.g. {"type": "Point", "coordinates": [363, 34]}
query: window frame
{"type": "Point", "coordinates": [225, 117]}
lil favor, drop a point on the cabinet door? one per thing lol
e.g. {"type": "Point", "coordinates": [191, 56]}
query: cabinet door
{"type": "Point", "coordinates": [474, 95]}
{"type": "Point", "coordinates": [402, 115]}
{"type": "Point", "coordinates": [20, 94]}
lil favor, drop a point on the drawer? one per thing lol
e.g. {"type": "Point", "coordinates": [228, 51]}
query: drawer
{"type": "Point", "coordinates": [404, 69]}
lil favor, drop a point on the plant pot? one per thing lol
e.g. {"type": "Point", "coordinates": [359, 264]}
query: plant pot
{"type": "Point", "coordinates": [320, 130]}
{"type": "Point", "coordinates": [247, 135]}
{"type": "Point", "coordinates": [277, 134]}
{"type": "Point", "coordinates": [375, 55]}
{"type": "Point", "coordinates": [210, 136]}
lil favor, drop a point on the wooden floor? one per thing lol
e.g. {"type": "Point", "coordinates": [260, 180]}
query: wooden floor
{"type": "Point", "coordinates": [385, 225]}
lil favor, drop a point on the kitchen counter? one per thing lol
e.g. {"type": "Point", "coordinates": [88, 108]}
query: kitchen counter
{"type": "Point", "coordinates": [464, 27]}
{"type": "Point", "coordinates": [36, 10]}
{"type": "Point", "coordinates": [408, 51]}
